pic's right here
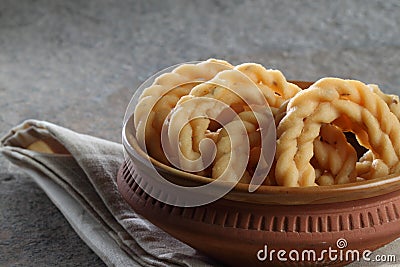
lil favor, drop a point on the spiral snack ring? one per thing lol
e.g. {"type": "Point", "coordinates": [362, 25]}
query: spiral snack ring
{"type": "Point", "coordinates": [348, 104]}
{"type": "Point", "coordinates": [219, 99]}
{"type": "Point", "coordinates": [160, 98]}
{"type": "Point", "coordinates": [334, 158]}
{"type": "Point", "coordinates": [251, 121]}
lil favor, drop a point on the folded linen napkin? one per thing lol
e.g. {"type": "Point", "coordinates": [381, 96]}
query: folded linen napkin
{"type": "Point", "coordinates": [78, 173]}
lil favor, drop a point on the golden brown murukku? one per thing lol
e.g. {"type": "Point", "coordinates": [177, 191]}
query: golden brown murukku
{"type": "Point", "coordinates": [156, 101]}
{"type": "Point", "coordinates": [311, 147]}
{"type": "Point", "coordinates": [349, 105]}
{"type": "Point", "coordinates": [191, 123]}
{"type": "Point", "coordinates": [226, 142]}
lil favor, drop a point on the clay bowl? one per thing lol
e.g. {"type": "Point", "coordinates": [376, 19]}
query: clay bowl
{"type": "Point", "coordinates": [249, 229]}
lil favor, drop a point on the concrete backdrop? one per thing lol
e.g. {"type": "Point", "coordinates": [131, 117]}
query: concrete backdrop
{"type": "Point", "coordinates": [77, 63]}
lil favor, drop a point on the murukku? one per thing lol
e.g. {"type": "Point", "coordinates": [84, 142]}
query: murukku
{"type": "Point", "coordinates": [205, 114]}
{"type": "Point", "coordinates": [156, 101]}
{"type": "Point", "coordinates": [210, 101]}
{"type": "Point", "coordinates": [347, 104]}
{"type": "Point", "coordinates": [223, 166]}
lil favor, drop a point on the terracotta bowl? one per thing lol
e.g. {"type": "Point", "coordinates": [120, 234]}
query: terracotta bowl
{"type": "Point", "coordinates": [275, 225]}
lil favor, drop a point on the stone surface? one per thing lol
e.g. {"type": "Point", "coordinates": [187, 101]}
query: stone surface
{"type": "Point", "coordinates": [77, 63]}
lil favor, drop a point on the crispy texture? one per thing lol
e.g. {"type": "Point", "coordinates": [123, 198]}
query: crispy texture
{"type": "Point", "coordinates": [189, 123]}
{"type": "Point", "coordinates": [348, 104]}
{"type": "Point", "coordinates": [311, 147]}
{"type": "Point", "coordinates": [274, 86]}
{"type": "Point", "coordinates": [187, 127]}
{"type": "Point", "coordinates": [156, 101]}
{"type": "Point", "coordinates": [335, 157]}
{"type": "Point", "coordinates": [365, 167]}
{"type": "Point", "coordinates": [235, 90]}
{"type": "Point", "coordinates": [226, 142]}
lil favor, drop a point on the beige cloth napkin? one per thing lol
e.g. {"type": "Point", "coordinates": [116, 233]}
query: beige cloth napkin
{"type": "Point", "coordinates": [78, 174]}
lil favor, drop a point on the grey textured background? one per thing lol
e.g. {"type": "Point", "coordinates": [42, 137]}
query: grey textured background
{"type": "Point", "coordinates": [77, 63]}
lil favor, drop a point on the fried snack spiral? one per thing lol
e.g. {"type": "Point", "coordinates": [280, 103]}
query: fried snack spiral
{"type": "Point", "coordinates": [225, 142]}
{"type": "Point", "coordinates": [210, 101]}
{"type": "Point", "coordinates": [348, 104]}
{"type": "Point", "coordinates": [334, 159]}
{"type": "Point", "coordinates": [238, 91]}
{"type": "Point", "coordinates": [156, 101]}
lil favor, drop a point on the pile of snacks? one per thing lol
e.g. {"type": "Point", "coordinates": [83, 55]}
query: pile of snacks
{"type": "Point", "coordinates": [209, 119]}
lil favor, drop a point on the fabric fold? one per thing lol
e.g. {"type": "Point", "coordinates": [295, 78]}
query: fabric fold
{"type": "Point", "coordinates": [83, 169]}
